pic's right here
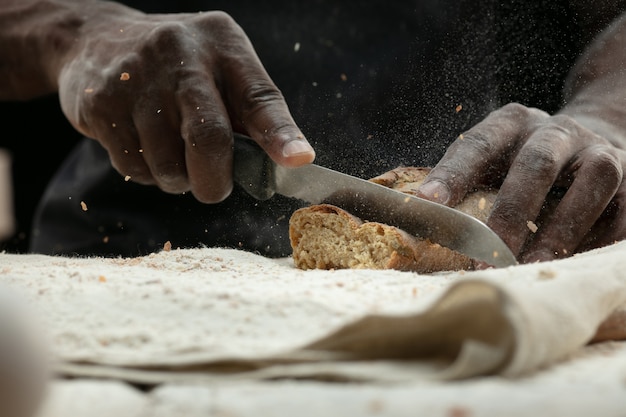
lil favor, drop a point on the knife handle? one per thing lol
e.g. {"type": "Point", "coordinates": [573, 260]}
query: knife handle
{"type": "Point", "coordinates": [253, 169]}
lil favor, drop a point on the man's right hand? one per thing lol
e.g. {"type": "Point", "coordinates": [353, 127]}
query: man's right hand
{"type": "Point", "coordinates": [162, 93]}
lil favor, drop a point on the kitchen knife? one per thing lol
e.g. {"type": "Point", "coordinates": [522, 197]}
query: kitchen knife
{"type": "Point", "coordinates": [260, 177]}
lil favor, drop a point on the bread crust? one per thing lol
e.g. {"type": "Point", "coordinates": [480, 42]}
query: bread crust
{"type": "Point", "coordinates": [327, 237]}
{"type": "Point", "coordinates": [324, 236]}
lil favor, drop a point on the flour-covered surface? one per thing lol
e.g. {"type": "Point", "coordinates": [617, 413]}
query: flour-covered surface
{"type": "Point", "coordinates": [209, 301]}
{"type": "Point", "coordinates": [172, 320]}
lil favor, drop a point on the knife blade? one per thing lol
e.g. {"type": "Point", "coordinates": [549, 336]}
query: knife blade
{"type": "Point", "coordinates": [260, 177]}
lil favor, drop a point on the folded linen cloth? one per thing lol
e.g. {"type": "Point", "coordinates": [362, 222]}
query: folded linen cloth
{"type": "Point", "coordinates": [206, 314]}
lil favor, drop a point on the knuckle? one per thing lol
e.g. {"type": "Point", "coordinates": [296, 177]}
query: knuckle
{"type": "Point", "coordinates": [515, 108]}
{"type": "Point", "coordinates": [605, 164]}
{"type": "Point", "coordinates": [171, 176]}
{"type": "Point", "coordinates": [168, 35]}
{"type": "Point", "coordinates": [214, 197]}
{"type": "Point", "coordinates": [137, 172]}
{"type": "Point", "coordinates": [219, 23]}
{"type": "Point", "coordinates": [258, 95]}
{"type": "Point", "coordinates": [221, 19]}
{"type": "Point", "coordinates": [506, 211]}
{"type": "Point", "coordinates": [540, 159]}
{"type": "Point", "coordinates": [208, 136]}
{"type": "Point", "coordinates": [478, 141]}
{"type": "Point", "coordinates": [519, 110]}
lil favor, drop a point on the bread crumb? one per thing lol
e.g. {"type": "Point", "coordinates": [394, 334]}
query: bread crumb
{"type": "Point", "coordinates": [458, 411]}
{"type": "Point", "coordinates": [531, 226]}
{"type": "Point", "coordinates": [546, 274]}
{"type": "Point", "coordinates": [482, 203]}
{"type": "Point", "coordinates": [459, 108]}
{"type": "Point", "coordinates": [105, 239]}
{"type": "Point", "coordinates": [102, 278]}
{"type": "Point", "coordinates": [83, 205]}
{"type": "Point", "coordinates": [124, 76]}
{"type": "Point", "coordinates": [376, 406]}
{"type": "Point", "coordinates": [167, 246]}
{"type": "Point", "coordinates": [127, 178]}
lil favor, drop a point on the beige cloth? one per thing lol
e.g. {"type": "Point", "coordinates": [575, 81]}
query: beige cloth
{"type": "Point", "coordinates": [212, 316]}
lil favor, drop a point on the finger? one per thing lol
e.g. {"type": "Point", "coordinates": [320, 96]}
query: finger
{"type": "Point", "coordinates": [611, 227]}
{"type": "Point", "coordinates": [104, 115]}
{"type": "Point", "coordinates": [531, 176]}
{"type": "Point", "coordinates": [598, 175]}
{"type": "Point", "coordinates": [483, 151]}
{"type": "Point", "coordinates": [208, 138]}
{"type": "Point", "coordinates": [162, 147]}
{"type": "Point", "coordinates": [121, 141]}
{"type": "Point", "coordinates": [253, 99]}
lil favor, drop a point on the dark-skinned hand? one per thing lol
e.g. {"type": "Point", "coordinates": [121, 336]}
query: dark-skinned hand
{"type": "Point", "coordinates": [164, 93]}
{"type": "Point", "coordinates": [551, 172]}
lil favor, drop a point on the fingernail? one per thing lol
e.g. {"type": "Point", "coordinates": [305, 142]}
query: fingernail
{"type": "Point", "coordinates": [436, 191]}
{"type": "Point", "coordinates": [296, 148]}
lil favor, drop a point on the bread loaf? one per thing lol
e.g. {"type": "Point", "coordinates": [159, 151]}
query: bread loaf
{"type": "Point", "coordinates": [327, 237]}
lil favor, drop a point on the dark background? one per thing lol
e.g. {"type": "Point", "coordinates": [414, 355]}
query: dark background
{"type": "Point", "coordinates": [407, 65]}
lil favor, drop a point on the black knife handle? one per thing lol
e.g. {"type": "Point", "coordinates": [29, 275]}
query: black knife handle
{"type": "Point", "coordinates": [253, 168]}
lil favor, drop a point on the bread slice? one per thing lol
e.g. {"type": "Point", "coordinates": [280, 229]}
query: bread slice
{"type": "Point", "coordinates": [327, 237]}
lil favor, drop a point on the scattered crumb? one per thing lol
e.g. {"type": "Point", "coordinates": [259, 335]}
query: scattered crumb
{"type": "Point", "coordinates": [102, 278]}
{"type": "Point", "coordinates": [296, 47]}
{"type": "Point", "coordinates": [167, 246]}
{"type": "Point", "coordinates": [124, 76]}
{"type": "Point", "coordinates": [343, 77]}
{"type": "Point", "coordinates": [547, 274]}
{"type": "Point", "coordinates": [482, 203]}
{"type": "Point", "coordinates": [105, 239]}
{"type": "Point", "coordinates": [459, 412]}
{"type": "Point", "coordinates": [83, 205]}
{"type": "Point", "coordinates": [376, 406]}
{"type": "Point", "coordinates": [127, 178]}
{"type": "Point", "coordinates": [88, 90]}
{"type": "Point", "coordinates": [461, 136]}
{"type": "Point", "coordinates": [459, 108]}
{"type": "Point", "coordinates": [531, 226]}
